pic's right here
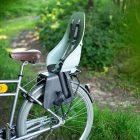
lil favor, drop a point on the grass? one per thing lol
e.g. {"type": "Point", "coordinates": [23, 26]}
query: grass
{"type": "Point", "coordinates": [119, 125]}
{"type": "Point", "coordinates": [12, 27]}
{"type": "Point", "coordinates": [107, 125]}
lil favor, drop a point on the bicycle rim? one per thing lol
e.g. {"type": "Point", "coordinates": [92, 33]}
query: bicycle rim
{"type": "Point", "coordinates": [78, 122]}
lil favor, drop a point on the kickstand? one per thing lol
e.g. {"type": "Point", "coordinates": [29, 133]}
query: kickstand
{"type": "Point", "coordinates": [8, 132]}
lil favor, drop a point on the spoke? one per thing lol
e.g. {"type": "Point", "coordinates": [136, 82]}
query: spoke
{"type": "Point", "coordinates": [79, 98]}
{"type": "Point", "coordinates": [76, 106]}
{"type": "Point", "coordinates": [81, 117]}
{"type": "Point", "coordinates": [79, 111]}
{"type": "Point", "coordinates": [75, 98]}
{"type": "Point", "coordinates": [75, 116]}
{"type": "Point", "coordinates": [76, 103]}
{"type": "Point", "coordinates": [78, 126]}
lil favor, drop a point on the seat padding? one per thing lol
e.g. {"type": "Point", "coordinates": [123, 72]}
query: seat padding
{"type": "Point", "coordinates": [32, 56]}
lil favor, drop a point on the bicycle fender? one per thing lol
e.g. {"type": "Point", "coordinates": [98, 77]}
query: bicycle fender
{"type": "Point", "coordinates": [81, 86]}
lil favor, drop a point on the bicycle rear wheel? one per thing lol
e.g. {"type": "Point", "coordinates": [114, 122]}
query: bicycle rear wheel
{"type": "Point", "coordinates": [77, 117]}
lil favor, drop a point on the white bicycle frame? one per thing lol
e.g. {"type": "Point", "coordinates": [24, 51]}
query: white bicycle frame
{"type": "Point", "coordinates": [16, 94]}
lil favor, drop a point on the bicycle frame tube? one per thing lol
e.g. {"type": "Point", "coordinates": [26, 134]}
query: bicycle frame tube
{"type": "Point", "coordinates": [15, 94]}
{"type": "Point", "coordinates": [18, 81]}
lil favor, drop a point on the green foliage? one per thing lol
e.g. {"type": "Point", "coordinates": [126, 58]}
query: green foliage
{"type": "Point", "coordinates": [119, 125]}
{"type": "Point", "coordinates": [128, 58]}
{"type": "Point", "coordinates": [131, 65]}
{"type": "Point", "coordinates": [101, 34]}
{"type": "Point", "coordinates": [16, 8]}
{"type": "Point", "coordinates": [102, 37]}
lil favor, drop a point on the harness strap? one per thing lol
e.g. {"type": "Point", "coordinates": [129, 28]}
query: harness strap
{"type": "Point", "coordinates": [77, 27]}
{"type": "Point", "coordinates": [73, 35]}
{"type": "Point", "coordinates": [71, 28]}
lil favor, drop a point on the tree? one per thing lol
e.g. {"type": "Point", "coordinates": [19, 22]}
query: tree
{"type": "Point", "coordinates": [90, 4]}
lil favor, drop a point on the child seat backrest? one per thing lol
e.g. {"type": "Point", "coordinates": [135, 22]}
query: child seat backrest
{"type": "Point", "coordinates": [66, 55]}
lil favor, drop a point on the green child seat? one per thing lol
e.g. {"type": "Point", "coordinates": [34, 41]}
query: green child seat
{"type": "Point", "coordinates": [66, 55]}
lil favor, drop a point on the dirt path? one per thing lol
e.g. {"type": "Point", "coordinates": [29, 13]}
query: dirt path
{"type": "Point", "coordinates": [28, 39]}
{"type": "Point", "coordinates": [113, 99]}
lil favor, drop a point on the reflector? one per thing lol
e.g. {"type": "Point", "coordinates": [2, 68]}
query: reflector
{"type": "Point", "coordinates": [3, 88]}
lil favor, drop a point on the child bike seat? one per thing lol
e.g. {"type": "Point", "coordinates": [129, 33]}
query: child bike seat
{"type": "Point", "coordinates": [66, 55]}
{"type": "Point", "coordinates": [32, 56]}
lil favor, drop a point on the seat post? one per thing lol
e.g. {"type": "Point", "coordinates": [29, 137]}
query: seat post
{"type": "Point", "coordinates": [17, 92]}
{"type": "Point", "coordinates": [22, 67]}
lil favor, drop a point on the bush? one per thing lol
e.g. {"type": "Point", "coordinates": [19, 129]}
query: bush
{"type": "Point", "coordinates": [102, 34]}
{"type": "Point", "coordinates": [102, 37]}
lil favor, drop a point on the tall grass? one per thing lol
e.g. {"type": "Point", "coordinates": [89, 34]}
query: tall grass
{"type": "Point", "coordinates": [119, 125]}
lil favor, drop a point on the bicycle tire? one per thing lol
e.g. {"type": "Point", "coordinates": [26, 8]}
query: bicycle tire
{"type": "Point", "coordinates": [38, 92]}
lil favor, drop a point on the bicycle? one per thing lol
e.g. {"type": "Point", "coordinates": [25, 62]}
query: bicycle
{"type": "Point", "coordinates": [59, 107]}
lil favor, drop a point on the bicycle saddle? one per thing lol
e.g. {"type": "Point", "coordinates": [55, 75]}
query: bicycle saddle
{"type": "Point", "coordinates": [32, 56]}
